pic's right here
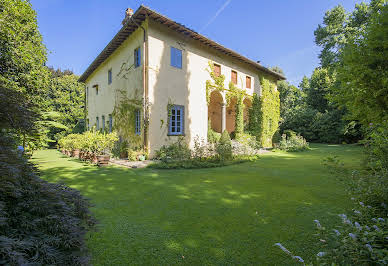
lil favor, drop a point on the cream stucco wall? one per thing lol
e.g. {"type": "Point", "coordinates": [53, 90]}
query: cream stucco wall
{"type": "Point", "coordinates": [125, 77]}
{"type": "Point", "coordinates": [186, 86]}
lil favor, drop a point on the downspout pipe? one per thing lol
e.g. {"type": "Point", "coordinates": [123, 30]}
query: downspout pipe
{"type": "Point", "coordinates": [145, 85]}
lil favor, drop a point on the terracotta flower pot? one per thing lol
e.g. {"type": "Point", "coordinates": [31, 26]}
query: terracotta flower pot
{"type": "Point", "coordinates": [103, 160]}
{"type": "Point", "coordinates": [75, 153]}
{"type": "Point", "coordinates": [93, 158]}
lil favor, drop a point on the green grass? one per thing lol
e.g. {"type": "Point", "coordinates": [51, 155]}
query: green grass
{"type": "Point", "coordinates": [218, 216]}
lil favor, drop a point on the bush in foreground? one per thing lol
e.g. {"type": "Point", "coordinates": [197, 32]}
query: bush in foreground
{"type": "Point", "coordinates": [40, 223]}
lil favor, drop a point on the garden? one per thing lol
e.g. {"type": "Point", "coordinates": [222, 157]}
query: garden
{"type": "Point", "coordinates": [303, 181]}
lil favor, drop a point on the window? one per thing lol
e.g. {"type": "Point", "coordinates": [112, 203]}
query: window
{"type": "Point", "coordinates": [234, 77]}
{"type": "Point", "coordinates": [137, 57]}
{"type": "Point", "coordinates": [103, 122]}
{"type": "Point", "coordinates": [110, 123]}
{"type": "Point", "coordinates": [176, 116]}
{"type": "Point", "coordinates": [137, 122]}
{"type": "Point", "coordinates": [109, 76]}
{"type": "Point", "coordinates": [96, 87]}
{"type": "Point", "coordinates": [248, 82]}
{"type": "Point", "coordinates": [176, 57]}
{"type": "Point", "coordinates": [217, 70]}
{"type": "Point", "coordinates": [97, 123]}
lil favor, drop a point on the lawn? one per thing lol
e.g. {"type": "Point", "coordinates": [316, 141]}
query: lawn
{"type": "Point", "coordinates": [218, 216]}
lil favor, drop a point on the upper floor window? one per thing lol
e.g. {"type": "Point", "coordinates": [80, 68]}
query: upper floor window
{"type": "Point", "coordinates": [234, 77]}
{"type": "Point", "coordinates": [109, 76]}
{"type": "Point", "coordinates": [110, 123]}
{"type": "Point", "coordinates": [97, 123]}
{"type": "Point", "coordinates": [103, 122]}
{"type": "Point", "coordinates": [248, 82]}
{"type": "Point", "coordinates": [217, 70]}
{"type": "Point", "coordinates": [176, 118]}
{"type": "Point", "coordinates": [137, 56]}
{"type": "Point", "coordinates": [176, 57]}
{"type": "Point", "coordinates": [96, 87]}
{"type": "Point", "coordinates": [137, 122]}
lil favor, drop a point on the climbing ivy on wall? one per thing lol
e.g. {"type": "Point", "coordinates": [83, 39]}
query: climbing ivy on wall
{"type": "Point", "coordinates": [217, 83]}
{"type": "Point", "coordinates": [264, 114]}
{"type": "Point", "coordinates": [124, 118]}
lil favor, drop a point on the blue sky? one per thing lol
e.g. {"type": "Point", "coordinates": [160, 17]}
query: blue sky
{"type": "Point", "coordinates": [277, 32]}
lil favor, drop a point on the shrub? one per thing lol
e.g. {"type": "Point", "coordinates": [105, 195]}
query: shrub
{"type": "Point", "coordinates": [293, 143]}
{"type": "Point", "coordinates": [176, 151]}
{"type": "Point", "coordinates": [212, 136]}
{"type": "Point", "coordinates": [41, 223]}
{"type": "Point", "coordinates": [224, 147]}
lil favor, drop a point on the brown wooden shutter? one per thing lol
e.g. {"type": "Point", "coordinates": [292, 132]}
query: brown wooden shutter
{"type": "Point", "coordinates": [248, 82]}
{"type": "Point", "coordinates": [234, 77]}
{"type": "Point", "coordinates": [217, 70]}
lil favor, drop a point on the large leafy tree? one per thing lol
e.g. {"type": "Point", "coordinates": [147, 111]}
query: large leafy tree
{"type": "Point", "coordinates": [23, 76]}
{"type": "Point", "coordinates": [363, 72]}
{"type": "Point", "coordinates": [66, 96]}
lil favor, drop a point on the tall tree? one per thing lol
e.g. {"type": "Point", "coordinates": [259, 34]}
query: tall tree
{"type": "Point", "coordinates": [364, 71]}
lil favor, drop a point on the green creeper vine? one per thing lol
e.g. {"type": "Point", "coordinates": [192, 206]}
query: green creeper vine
{"type": "Point", "coordinates": [217, 83]}
{"type": "Point", "coordinates": [124, 119]}
{"type": "Point", "coordinates": [264, 115]}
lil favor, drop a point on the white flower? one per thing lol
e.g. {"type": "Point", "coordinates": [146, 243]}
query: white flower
{"type": "Point", "coordinates": [362, 204]}
{"type": "Point", "coordinates": [283, 248]}
{"type": "Point", "coordinates": [336, 232]}
{"type": "Point", "coordinates": [369, 247]}
{"type": "Point", "coordinates": [318, 224]}
{"type": "Point", "coordinates": [352, 198]}
{"type": "Point", "coordinates": [353, 236]}
{"type": "Point", "coordinates": [380, 219]}
{"type": "Point", "coordinates": [321, 254]}
{"type": "Point", "coordinates": [369, 207]}
{"type": "Point", "coordinates": [298, 258]}
{"type": "Point", "coordinates": [357, 212]}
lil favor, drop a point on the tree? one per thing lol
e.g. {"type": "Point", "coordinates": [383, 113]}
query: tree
{"type": "Point", "coordinates": [363, 73]}
{"type": "Point", "coordinates": [318, 89]}
{"type": "Point", "coordinates": [67, 98]}
{"type": "Point", "coordinates": [23, 76]}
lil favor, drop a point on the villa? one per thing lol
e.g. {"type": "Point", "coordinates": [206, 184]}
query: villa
{"type": "Point", "coordinates": [166, 66]}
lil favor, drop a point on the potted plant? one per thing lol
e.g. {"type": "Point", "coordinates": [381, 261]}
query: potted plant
{"type": "Point", "coordinates": [104, 146]}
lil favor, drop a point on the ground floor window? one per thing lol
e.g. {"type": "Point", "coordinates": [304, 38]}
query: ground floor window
{"type": "Point", "coordinates": [137, 122]}
{"type": "Point", "coordinates": [176, 118]}
{"type": "Point", "coordinates": [110, 123]}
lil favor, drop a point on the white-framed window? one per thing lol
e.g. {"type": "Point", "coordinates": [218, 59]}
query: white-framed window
{"type": "Point", "coordinates": [109, 76]}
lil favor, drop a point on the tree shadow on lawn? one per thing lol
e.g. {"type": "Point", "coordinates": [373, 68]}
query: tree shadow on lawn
{"type": "Point", "coordinates": [228, 215]}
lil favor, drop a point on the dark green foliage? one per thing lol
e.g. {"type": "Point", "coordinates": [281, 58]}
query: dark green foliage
{"type": "Point", "coordinates": [224, 147]}
{"type": "Point", "coordinates": [41, 223]}
{"type": "Point", "coordinates": [176, 151]}
{"type": "Point", "coordinates": [293, 143]}
{"type": "Point", "coordinates": [212, 136]}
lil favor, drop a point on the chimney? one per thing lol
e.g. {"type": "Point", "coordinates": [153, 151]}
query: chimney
{"type": "Point", "coordinates": [128, 14]}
